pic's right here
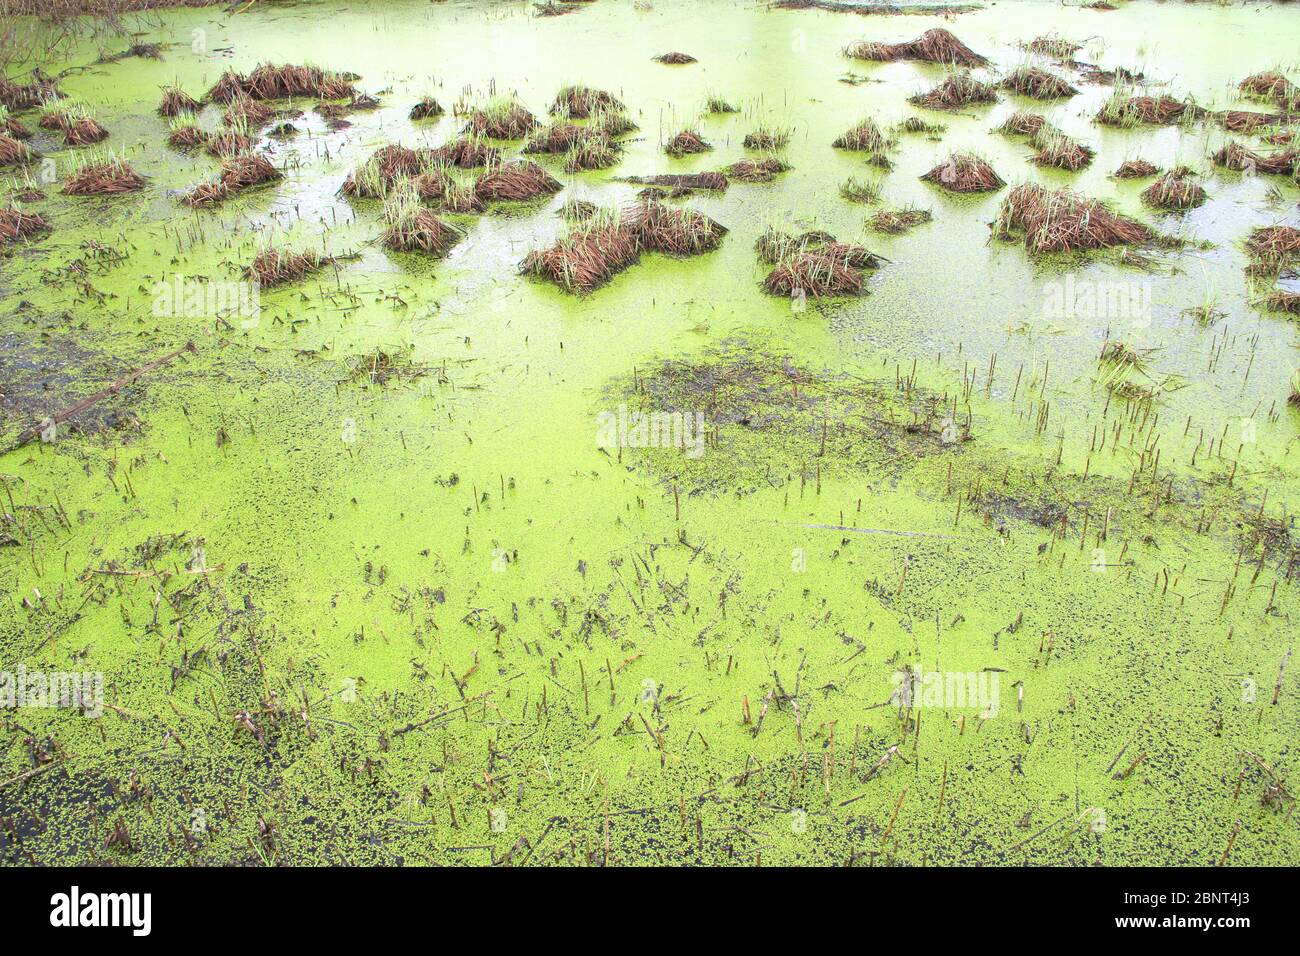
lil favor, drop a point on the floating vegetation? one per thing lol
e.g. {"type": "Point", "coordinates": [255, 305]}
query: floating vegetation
{"type": "Point", "coordinates": [1274, 247]}
{"type": "Point", "coordinates": [965, 173]}
{"type": "Point", "coordinates": [1062, 221]}
{"type": "Point", "coordinates": [894, 221]}
{"type": "Point", "coordinates": [675, 59]}
{"type": "Point", "coordinates": [932, 46]}
{"type": "Point", "coordinates": [1176, 189]}
{"type": "Point", "coordinates": [915, 124]}
{"type": "Point", "coordinates": [958, 90]}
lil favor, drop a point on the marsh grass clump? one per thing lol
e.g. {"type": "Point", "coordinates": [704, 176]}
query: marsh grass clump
{"type": "Point", "coordinates": [717, 105]}
{"type": "Point", "coordinates": [228, 141]}
{"type": "Point", "coordinates": [515, 181]}
{"type": "Point", "coordinates": [557, 137]}
{"type": "Point", "coordinates": [767, 138]}
{"type": "Point", "coordinates": [186, 136]}
{"type": "Point", "coordinates": [426, 108]}
{"type": "Point", "coordinates": [13, 152]}
{"type": "Point", "coordinates": [1293, 399]}
{"type": "Point", "coordinates": [502, 117]}
{"type": "Point", "coordinates": [1054, 46]}
{"type": "Point", "coordinates": [757, 170]}
{"type": "Point", "coordinates": [271, 82]}
{"type": "Point", "coordinates": [965, 173]}
{"type": "Point", "coordinates": [382, 367]}
{"type": "Point", "coordinates": [831, 270]}
{"type": "Point", "coordinates": [675, 59]}
{"type": "Point", "coordinates": [176, 102]}
{"type": "Point", "coordinates": [274, 267]}
{"type": "Point", "coordinates": [12, 126]}
{"type": "Point", "coordinates": [1116, 352]}
{"type": "Point", "coordinates": [864, 136]}
{"type": "Point", "coordinates": [1021, 123]}
{"type": "Point", "coordinates": [577, 210]}
{"type": "Point", "coordinates": [1246, 121]}
{"type": "Point", "coordinates": [245, 112]}
{"type": "Point", "coordinates": [604, 242]}
{"type": "Point", "coordinates": [581, 102]}
{"type": "Point", "coordinates": [19, 226]}
{"type": "Point", "coordinates": [612, 122]}
{"type": "Point", "coordinates": [1274, 247]}
{"type": "Point", "coordinates": [41, 91]}
{"type": "Point", "coordinates": [248, 169]}
{"type": "Point", "coordinates": [594, 151]}
{"type": "Point", "coordinates": [1038, 84]}
{"type": "Point", "coordinates": [377, 175]}
{"type": "Point", "coordinates": [933, 46]}
{"type": "Point", "coordinates": [1135, 169]}
{"type": "Point", "coordinates": [862, 190]}
{"type": "Point", "coordinates": [686, 142]}
{"type": "Point", "coordinates": [77, 124]}
{"type": "Point", "coordinates": [1059, 151]}
{"type": "Point", "coordinates": [958, 90]}
{"type": "Point", "coordinates": [1176, 189]}
{"type": "Point", "coordinates": [594, 251]}
{"type": "Point", "coordinates": [470, 151]}
{"type": "Point", "coordinates": [1062, 221]}
{"type": "Point", "coordinates": [894, 221]}
{"type": "Point", "coordinates": [103, 178]}
{"type": "Point", "coordinates": [409, 227]}
{"type": "Point", "coordinates": [915, 124]}
{"type": "Point", "coordinates": [1271, 85]}
{"type": "Point", "coordinates": [1283, 300]}
{"type": "Point", "coordinates": [1126, 111]}
{"type": "Point", "coordinates": [686, 181]}
{"type": "Point", "coordinates": [1237, 157]}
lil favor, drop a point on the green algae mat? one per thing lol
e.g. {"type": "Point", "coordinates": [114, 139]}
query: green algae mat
{"type": "Point", "coordinates": [668, 432]}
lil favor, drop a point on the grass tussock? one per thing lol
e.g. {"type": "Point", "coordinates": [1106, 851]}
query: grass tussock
{"type": "Point", "coordinates": [685, 143]}
{"type": "Point", "coordinates": [1054, 46]}
{"type": "Point", "coordinates": [467, 152]}
{"type": "Point", "coordinates": [1063, 221]}
{"type": "Point", "coordinates": [675, 59]}
{"type": "Point", "coordinates": [894, 221]}
{"type": "Point", "coordinates": [13, 152]}
{"type": "Point", "coordinates": [757, 170]}
{"type": "Point", "coordinates": [767, 138]}
{"type": "Point", "coordinates": [864, 136]}
{"type": "Point", "coordinates": [176, 102]}
{"type": "Point", "coordinates": [272, 82]}
{"type": "Point", "coordinates": [228, 142]}
{"type": "Point", "coordinates": [187, 136]}
{"type": "Point", "coordinates": [591, 152]}
{"type": "Point", "coordinates": [1057, 150]}
{"type": "Point", "coordinates": [1246, 121]}
{"type": "Point", "coordinates": [19, 226]}
{"type": "Point", "coordinates": [103, 178]}
{"type": "Point", "coordinates": [503, 118]}
{"type": "Point", "coordinates": [275, 267]}
{"type": "Point", "coordinates": [245, 112]}
{"type": "Point", "coordinates": [581, 102]}
{"type": "Point", "coordinates": [965, 173]}
{"type": "Point", "coordinates": [718, 106]}
{"type": "Point", "coordinates": [956, 91]}
{"type": "Point", "coordinates": [1037, 83]}
{"type": "Point", "coordinates": [1238, 157]}
{"type": "Point", "coordinates": [1023, 124]}
{"type": "Point", "coordinates": [374, 178]}
{"type": "Point", "coordinates": [915, 124]}
{"type": "Point", "coordinates": [40, 91]}
{"type": "Point", "coordinates": [409, 227]}
{"type": "Point", "coordinates": [1125, 111]}
{"type": "Point", "coordinates": [1176, 189]}
{"type": "Point", "coordinates": [603, 243]}
{"type": "Point", "coordinates": [515, 181]}
{"type": "Point", "coordinates": [858, 190]}
{"type": "Point", "coordinates": [685, 181]}
{"type": "Point", "coordinates": [932, 46]}
{"type": "Point", "coordinates": [1136, 169]}
{"type": "Point", "coordinates": [1271, 85]}
{"type": "Point", "coordinates": [1274, 247]}
{"type": "Point", "coordinates": [426, 108]}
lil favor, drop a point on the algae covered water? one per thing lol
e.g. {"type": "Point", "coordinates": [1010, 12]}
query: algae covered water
{"type": "Point", "coordinates": [387, 550]}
